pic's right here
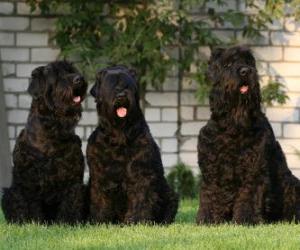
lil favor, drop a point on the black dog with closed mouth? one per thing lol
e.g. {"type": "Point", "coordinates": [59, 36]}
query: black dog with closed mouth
{"type": "Point", "coordinates": [47, 183]}
{"type": "Point", "coordinates": [127, 182]}
{"type": "Point", "coordinates": [245, 175]}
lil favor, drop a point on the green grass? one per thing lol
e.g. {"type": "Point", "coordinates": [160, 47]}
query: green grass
{"type": "Point", "coordinates": [184, 234]}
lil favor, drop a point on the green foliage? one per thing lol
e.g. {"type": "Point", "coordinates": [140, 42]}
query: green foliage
{"type": "Point", "coordinates": [155, 37]}
{"type": "Point", "coordinates": [274, 92]}
{"type": "Point", "coordinates": [182, 180]}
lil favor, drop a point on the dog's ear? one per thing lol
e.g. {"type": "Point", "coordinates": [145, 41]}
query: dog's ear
{"type": "Point", "coordinates": [93, 90]}
{"type": "Point", "coordinates": [99, 76]}
{"type": "Point", "coordinates": [37, 83]}
{"type": "Point", "coordinates": [133, 73]}
{"type": "Point", "coordinates": [216, 53]}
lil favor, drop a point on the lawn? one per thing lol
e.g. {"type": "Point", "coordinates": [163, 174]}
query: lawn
{"type": "Point", "coordinates": [183, 234]}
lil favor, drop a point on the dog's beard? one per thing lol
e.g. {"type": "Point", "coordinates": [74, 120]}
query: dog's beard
{"type": "Point", "coordinates": [65, 102]}
{"type": "Point", "coordinates": [236, 99]}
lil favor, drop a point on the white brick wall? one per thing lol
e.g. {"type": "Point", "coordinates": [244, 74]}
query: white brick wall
{"type": "Point", "coordinates": [174, 114]}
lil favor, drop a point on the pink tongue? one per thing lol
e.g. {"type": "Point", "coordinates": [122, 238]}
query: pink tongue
{"type": "Point", "coordinates": [122, 112]}
{"type": "Point", "coordinates": [77, 99]}
{"type": "Point", "coordinates": [244, 89]}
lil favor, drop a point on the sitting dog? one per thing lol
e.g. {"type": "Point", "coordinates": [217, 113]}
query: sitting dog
{"type": "Point", "coordinates": [47, 183]}
{"type": "Point", "coordinates": [127, 183]}
{"type": "Point", "coordinates": [245, 175]}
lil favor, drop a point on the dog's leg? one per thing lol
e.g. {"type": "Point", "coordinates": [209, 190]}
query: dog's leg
{"type": "Point", "coordinates": [17, 210]}
{"type": "Point", "coordinates": [170, 206]}
{"type": "Point", "coordinates": [73, 206]}
{"type": "Point", "coordinates": [249, 204]}
{"type": "Point", "coordinates": [143, 201]}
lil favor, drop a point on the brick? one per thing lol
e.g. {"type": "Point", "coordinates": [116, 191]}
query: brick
{"type": "Point", "coordinates": [203, 113]}
{"type": "Point", "coordinates": [6, 39]}
{"type": "Point", "coordinates": [293, 100]}
{"type": "Point", "coordinates": [187, 113]}
{"type": "Point", "coordinates": [15, 84]}
{"type": "Point", "coordinates": [8, 69]}
{"type": "Point", "coordinates": [277, 129]}
{"type": "Point", "coordinates": [169, 145]}
{"type": "Point", "coordinates": [17, 116]}
{"type": "Point", "coordinates": [262, 40]}
{"type": "Point", "coordinates": [293, 161]}
{"type": "Point", "coordinates": [291, 54]}
{"type": "Point", "coordinates": [6, 8]}
{"type": "Point", "coordinates": [25, 101]}
{"type": "Point", "coordinates": [91, 102]}
{"type": "Point", "coordinates": [296, 172]}
{"type": "Point", "coordinates": [162, 99]}
{"type": "Point", "coordinates": [262, 68]}
{"type": "Point", "coordinates": [11, 132]}
{"type": "Point", "coordinates": [228, 5]}
{"type": "Point", "coordinates": [189, 159]}
{"type": "Point", "coordinates": [19, 129]}
{"type": "Point", "coordinates": [83, 147]}
{"type": "Point", "coordinates": [291, 25]}
{"type": "Point", "coordinates": [24, 70]}
{"type": "Point", "coordinates": [285, 38]}
{"type": "Point", "coordinates": [224, 35]}
{"type": "Point", "coordinates": [152, 114]}
{"type": "Point", "coordinates": [267, 53]}
{"type": "Point", "coordinates": [171, 84]}
{"type": "Point", "coordinates": [276, 24]}
{"type": "Point", "coordinates": [169, 114]}
{"type": "Point", "coordinates": [291, 130]}
{"type": "Point", "coordinates": [12, 145]}
{"type": "Point", "coordinates": [163, 129]}
{"type": "Point", "coordinates": [44, 55]}
{"type": "Point", "coordinates": [289, 146]}
{"type": "Point", "coordinates": [89, 118]}
{"type": "Point", "coordinates": [282, 115]}
{"type": "Point", "coordinates": [14, 23]}
{"type": "Point", "coordinates": [15, 54]}
{"type": "Point", "coordinates": [189, 84]}
{"type": "Point", "coordinates": [191, 128]}
{"type": "Point", "coordinates": [88, 131]}
{"type": "Point", "coordinates": [24, 9]}
{"type": "Point", "coordinates": [11, 100]}
{"type": "Point", "coordinates": [79, 131]}
{"type": "Point", "coordinates": [32, 39]}
{"type": "Point", "coordinates": [169, 160]}
{"type": "Point", "coordinates": [42, 24]}
{"type": "Point", "coordinates": [291, 83]}
{"type": "Point", "coordinates": [189, 144]}
{"type": "Point", "coordinates": [285, 69]}
{"type": "Point", "coordinates": [188, 99]}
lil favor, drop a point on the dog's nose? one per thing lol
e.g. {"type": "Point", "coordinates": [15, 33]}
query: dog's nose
{"type": "Point", "coordinates": [121, 94]}
{"type": "Point", "coordinates": [244, 71]}
{"type": "Point", "coordinates": [78, 79]}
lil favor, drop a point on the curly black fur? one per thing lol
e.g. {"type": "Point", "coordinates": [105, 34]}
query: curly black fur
{"type": "Point", "coordinates": [245, 175]}
{"type": "Point", "coordinates": [48, 162]}
{"type": "Point", "coordinates": [127, 182]}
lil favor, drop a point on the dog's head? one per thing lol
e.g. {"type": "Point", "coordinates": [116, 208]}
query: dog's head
{"type": "Point", "coordinates": [234, 79]}
{"type": "Point", "coordinates": [59, 86]}
{"type": "Point", "coordinates": [116, 93]}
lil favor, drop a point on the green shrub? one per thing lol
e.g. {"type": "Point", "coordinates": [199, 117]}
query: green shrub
{"type": "Point", "coordinates": [183, 181]}
{"type": "Point", "coordinates": [156, 37]}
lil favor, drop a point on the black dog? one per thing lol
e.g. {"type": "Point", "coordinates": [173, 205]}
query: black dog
{"type": "Point", "coordinates": [245, 175]}
{"type": "Point", "coordinates": [127, 182]}
{"type": "Point", "coordinates": [48, 162]}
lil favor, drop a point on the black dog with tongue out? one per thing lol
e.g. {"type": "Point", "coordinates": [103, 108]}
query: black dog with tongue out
{"type": "Point", "coordinates": [127, 183]}
{"type": "Point", "coordinates": [245, 178]}
{"type": "Point", "coordinates": [47, 185]}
